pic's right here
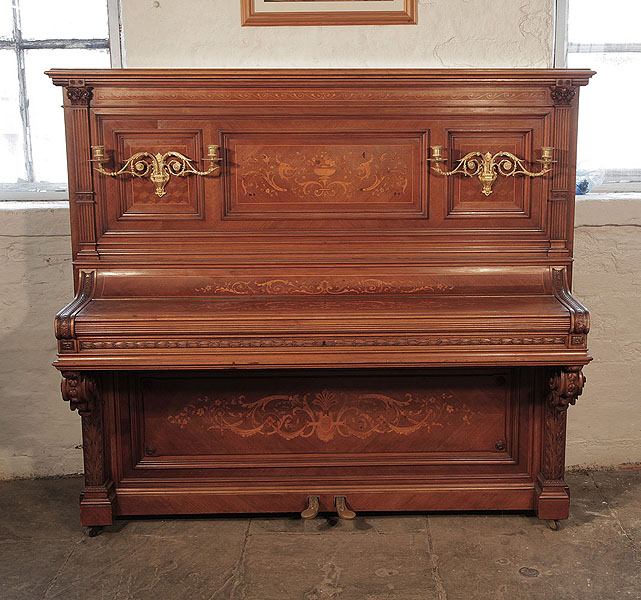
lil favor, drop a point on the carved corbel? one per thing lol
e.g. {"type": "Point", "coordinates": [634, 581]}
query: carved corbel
{"type": "Point", "coordinates": [563, 92]}
{"type": "Point", "coordinates": [565, 386]}
{"type": "Point", "coordinates": [78, 93]}
{"type": "Point", "coordinates": [579, 314]}
{"type": "Point", "coordinates": [80, 390]}
{"type": "Point", "coordinates": [64, 319]}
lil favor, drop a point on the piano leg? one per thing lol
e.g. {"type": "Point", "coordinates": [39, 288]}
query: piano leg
{"type": "Point", "coordinates": [552, 493]}
{"type": "Point", "coordinates": [80, 389]}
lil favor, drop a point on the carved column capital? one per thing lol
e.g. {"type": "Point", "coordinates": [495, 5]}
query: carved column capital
{"type": "Point", "coordinates": [565, 386]}
{"type": "Point", "coordinates": [79, 96]}
{"type": "Point", "coordinates": [563, 92]}
{"type": "Point", "coordinates": [80, 390]}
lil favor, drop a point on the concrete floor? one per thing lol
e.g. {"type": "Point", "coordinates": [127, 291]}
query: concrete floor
{"type": "Point", "coordinates": [597, 554]}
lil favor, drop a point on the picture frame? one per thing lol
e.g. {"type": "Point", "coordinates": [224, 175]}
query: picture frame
{"type": "Point", "coordinates": [328, 12]}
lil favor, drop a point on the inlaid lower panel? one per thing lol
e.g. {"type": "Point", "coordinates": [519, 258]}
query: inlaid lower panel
{"type": "Point", "coordinates": [347, 418]}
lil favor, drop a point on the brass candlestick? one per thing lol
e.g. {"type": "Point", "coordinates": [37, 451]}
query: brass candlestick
{"type": "Point", "coordinates": [487, 166]}
{"type": "Point", "coordinates": [158, 167]}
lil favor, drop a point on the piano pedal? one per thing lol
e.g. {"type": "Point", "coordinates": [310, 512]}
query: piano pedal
{"type": "Point", "coordinates": [342, 510]}
{"type": "Point", "coordinates": [313, 504]}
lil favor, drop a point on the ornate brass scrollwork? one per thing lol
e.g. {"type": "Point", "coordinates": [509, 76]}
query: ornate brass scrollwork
{"type": "Point", "coordinates": [158, 167]}
{"type": "Point", "coordinates": [487, 167]}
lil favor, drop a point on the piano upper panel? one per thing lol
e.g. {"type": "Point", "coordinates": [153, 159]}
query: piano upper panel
{"type": "Point", "coordinates": [326, 165]}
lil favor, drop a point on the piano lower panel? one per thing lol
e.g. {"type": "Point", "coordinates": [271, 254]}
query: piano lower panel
{"type": "Point", "coordinates": [191, 442]}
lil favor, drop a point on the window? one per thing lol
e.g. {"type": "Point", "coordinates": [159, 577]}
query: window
{"type": "Point", "coordinates": [607, 39]}
{"type": "Point", "coordinates": [36, 35]}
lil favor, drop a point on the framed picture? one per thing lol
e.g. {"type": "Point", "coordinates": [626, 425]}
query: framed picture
{"type": "Point", "coordinates": [329, 12]}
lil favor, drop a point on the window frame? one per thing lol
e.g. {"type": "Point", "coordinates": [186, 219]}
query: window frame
{"type": "Point", "coordinates": [51, 191]}
{"type": "Point", "coordinates": [562, 47]}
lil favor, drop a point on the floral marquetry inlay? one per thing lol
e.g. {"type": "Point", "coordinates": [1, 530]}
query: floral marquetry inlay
{"type": "Point", "coordinates": [324, 287]}
{"type": "Point", "coordinates": [315, 174]}
{"type": "Point", "coordinates": [324, 415]}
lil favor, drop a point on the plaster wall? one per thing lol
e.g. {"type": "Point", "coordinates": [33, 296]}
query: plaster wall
{"type": "Point", "coordinates": [39, 435]}
{"type": "Point", "coordinates": [449, 33]}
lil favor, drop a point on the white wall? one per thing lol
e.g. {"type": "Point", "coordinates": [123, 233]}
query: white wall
{"type": "Point", "coordinates": [604, 428]}
{"type": "Point", "coordinates": [449, 33]}
{"type": "Point", "coordinates": [38, 433]}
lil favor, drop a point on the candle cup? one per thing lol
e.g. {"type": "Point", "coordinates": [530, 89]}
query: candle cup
{"type": "Point", "coordinates": [437, 152]}
{"type": "Point", "coordinates": [98, 153]}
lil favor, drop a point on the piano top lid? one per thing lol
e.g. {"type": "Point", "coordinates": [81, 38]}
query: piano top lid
{"type": "Point", "coordinates": [319, 77]}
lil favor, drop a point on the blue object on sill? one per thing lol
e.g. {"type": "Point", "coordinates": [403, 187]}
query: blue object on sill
{"type": "Point", "coordinates": [588, 177]}
{"type": "Point", "coordinates": [582, 187]}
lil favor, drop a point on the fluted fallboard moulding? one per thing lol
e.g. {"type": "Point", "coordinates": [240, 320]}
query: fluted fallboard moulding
{"type": "Point", "coordinates": [323, 317]}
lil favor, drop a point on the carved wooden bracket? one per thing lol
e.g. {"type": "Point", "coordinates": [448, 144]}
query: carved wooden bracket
{"type": "Point", "coordinates": [64, 319]}
{"type": "Point", "coordinates": [566, 386]}
{"type": "Point", "coordinates": [563, 92]}
{"type": "Point", "coordinates": [80, 390]}
{"type": "Point", "coordinates": [579, 314]}
{"type": "Point", "coordinates": [79, 93]}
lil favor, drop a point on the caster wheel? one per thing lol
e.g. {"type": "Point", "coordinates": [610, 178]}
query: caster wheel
{"type": "Point", "coordinates": [94, 531]}
{"type": "Point", "coordinates": [554, 525]}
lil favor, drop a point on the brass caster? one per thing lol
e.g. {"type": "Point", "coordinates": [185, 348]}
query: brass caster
{"type": "Point", "coordinates": [94, 531]}
{"type": "Point", "coordinates": [342, 510]}
{"type": "Point", "coordinates": [313, 504]}
{"type": "Point", "coordinates": [554, 524]}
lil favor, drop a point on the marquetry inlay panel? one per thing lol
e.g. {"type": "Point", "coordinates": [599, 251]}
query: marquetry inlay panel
{"type": "Point", "coordinates": [325, 414]}
{"type": "Point", "coordinates": [324, 176]}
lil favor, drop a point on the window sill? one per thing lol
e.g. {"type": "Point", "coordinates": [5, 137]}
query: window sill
{"type": "Point", "coordinates": [10, 206]}
{"type": "Point", "coordinates": [608, 196]}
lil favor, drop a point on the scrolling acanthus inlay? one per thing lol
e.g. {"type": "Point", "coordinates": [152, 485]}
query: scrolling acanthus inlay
{"type": "Point", "coordinates": [319, 288]}
{"type": "Point", "coordinates": [276, 95]}
{"type": "Point", "coordinates": [324, 415]}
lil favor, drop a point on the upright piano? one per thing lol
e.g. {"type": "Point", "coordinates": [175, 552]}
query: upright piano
{"type": "Point", "coordinates": [321, 290]}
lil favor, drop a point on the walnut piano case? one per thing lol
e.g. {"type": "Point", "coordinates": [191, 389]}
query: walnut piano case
{"type": "Point", "coordinates": [321, 290]}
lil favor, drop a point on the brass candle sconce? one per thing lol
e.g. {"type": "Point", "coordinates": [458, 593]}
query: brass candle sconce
{"type": "Point", "coordinates": [160, 168]}
{"type": "Point", "coordinates": [487, 166]}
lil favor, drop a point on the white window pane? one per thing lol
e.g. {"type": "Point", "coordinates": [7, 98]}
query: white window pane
{"type": "Point", "coordinates": [6, 20]}
{"type": "Point", "coordinates": [45, 113]}
{"type": "Point", "coordinates": [12, 165]}
{"type": "Point", "coordinates": [609, 126]}
{"type": "Point", "coordinates": [598, 22]}
{"type": "Point", "coordinates": [46, 19]}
